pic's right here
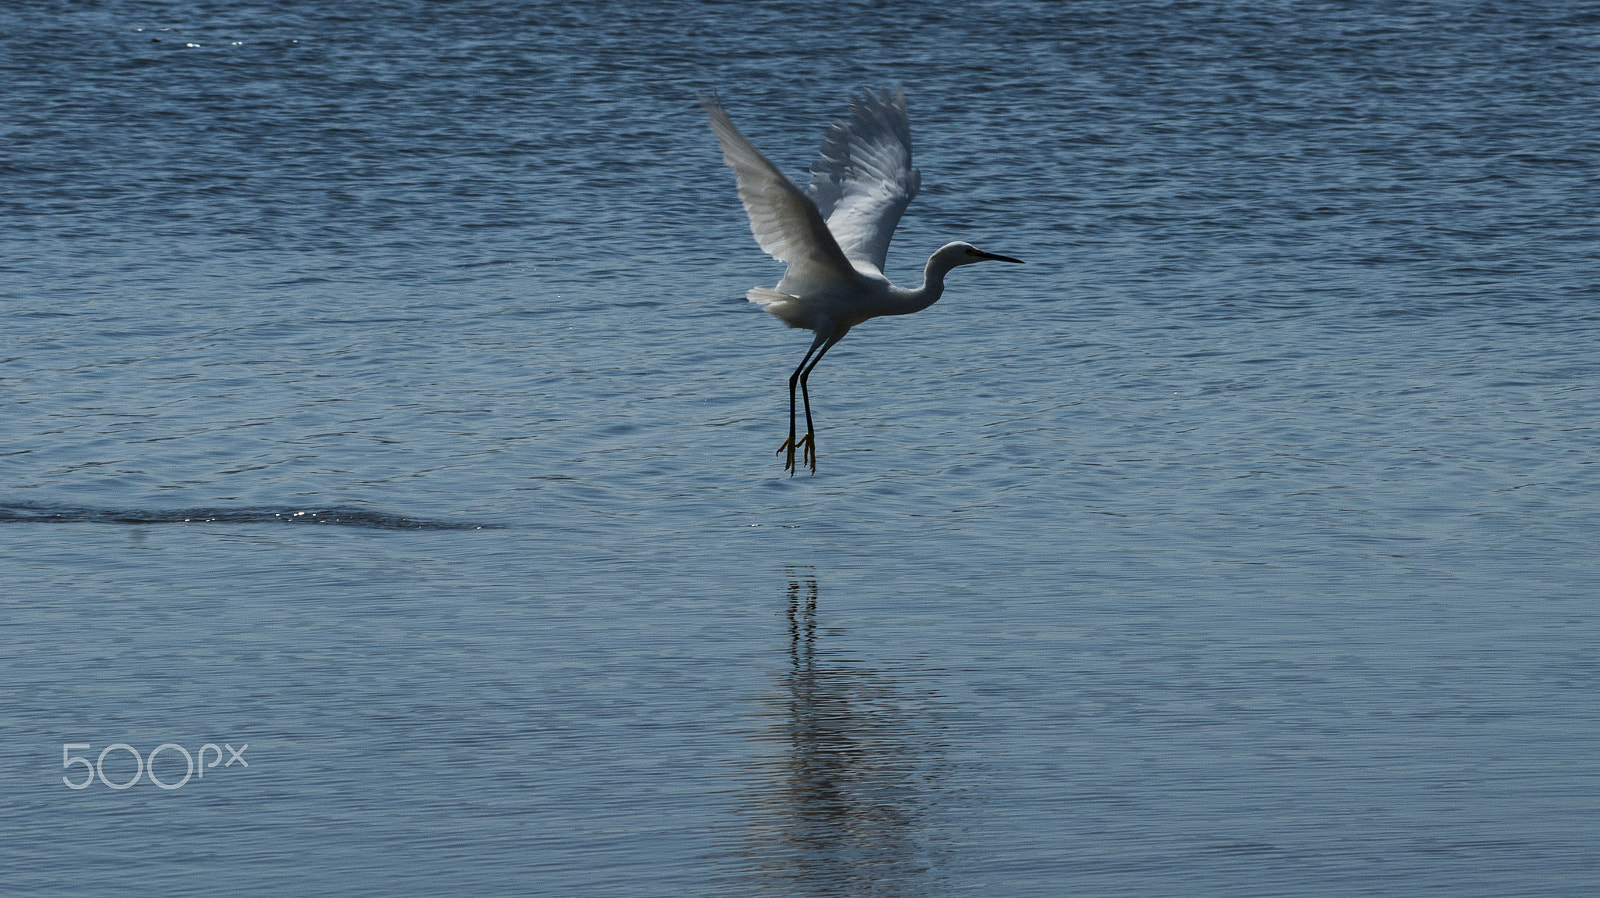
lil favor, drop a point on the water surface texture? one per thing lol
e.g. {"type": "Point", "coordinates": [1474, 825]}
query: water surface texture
{"type": "Point", "coordinates": [1240, 543]}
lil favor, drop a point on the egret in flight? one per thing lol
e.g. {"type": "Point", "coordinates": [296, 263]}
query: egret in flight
{"type": "Point", "coordinates": [834, 235]}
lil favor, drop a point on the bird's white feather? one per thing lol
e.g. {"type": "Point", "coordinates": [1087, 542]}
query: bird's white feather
{"type": "Point", "coordinates": [864, 179]}
{"type": "Point", "coordinates": [786, 223]}
{"type": "Point", "coordinates": [787, 308]}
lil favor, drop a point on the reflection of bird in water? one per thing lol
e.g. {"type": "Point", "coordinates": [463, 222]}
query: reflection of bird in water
{"type": "Point", "coordinates": [844, 812]}
{"type": "Point", "coordinates": [835, 236]}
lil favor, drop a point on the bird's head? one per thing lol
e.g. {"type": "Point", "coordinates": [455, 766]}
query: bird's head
{"type": "Point", "coordinates": [959, 253]}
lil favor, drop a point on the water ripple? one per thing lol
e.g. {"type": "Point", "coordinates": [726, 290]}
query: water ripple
{"type": "Point", "coordinates": [336, 515]}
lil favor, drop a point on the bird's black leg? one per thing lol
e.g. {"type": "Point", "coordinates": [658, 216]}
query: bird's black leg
{"type": "Point", "coordinates": [789, 445]}
{"type": "Point", "coordinates": [810, 442]}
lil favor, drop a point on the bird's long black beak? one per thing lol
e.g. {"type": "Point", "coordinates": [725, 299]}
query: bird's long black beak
{"type": "Point", "coordinates": [996, 257]}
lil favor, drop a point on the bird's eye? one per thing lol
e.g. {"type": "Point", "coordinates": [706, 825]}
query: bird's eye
{"type": "Point", "coordinates": [971, 251]}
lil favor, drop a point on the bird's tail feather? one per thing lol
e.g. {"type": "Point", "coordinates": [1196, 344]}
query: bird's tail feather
{"type": "Point", "coordinates": [776, 302]}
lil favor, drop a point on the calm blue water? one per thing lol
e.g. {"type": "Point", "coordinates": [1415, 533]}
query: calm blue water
{"type": "Point", "coordinates": [377, 392]}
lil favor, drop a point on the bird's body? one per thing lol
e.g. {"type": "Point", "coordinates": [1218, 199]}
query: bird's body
{"type": "Point", "coordinates": [835, 235]}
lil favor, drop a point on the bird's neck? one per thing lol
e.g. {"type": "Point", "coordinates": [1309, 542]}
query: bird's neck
{"type": "Point", "coordinates": [904, 302]}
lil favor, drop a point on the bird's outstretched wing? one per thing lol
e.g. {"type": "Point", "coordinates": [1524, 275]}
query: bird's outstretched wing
{"type": "Point", "coordinates": [864, 180]}
{"type": "Point", "coordinates": [785, 222]}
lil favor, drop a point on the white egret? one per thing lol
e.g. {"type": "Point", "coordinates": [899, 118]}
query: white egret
{"type": "Point", "coordinates": [835, 235]}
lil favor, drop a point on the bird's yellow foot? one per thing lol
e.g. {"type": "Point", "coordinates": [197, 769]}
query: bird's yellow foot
{"type": "Point", "coordinates": [788, 446]}
{"type": "Point", "coordinates": [808, 455]}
